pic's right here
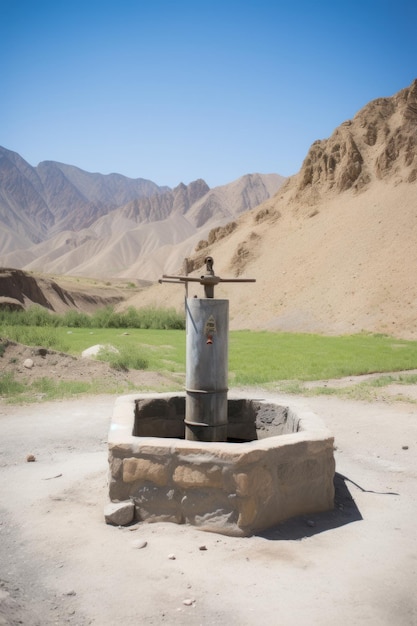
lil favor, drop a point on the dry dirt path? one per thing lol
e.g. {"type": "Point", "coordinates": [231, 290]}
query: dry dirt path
{"type": "Point", "coordinates": [61, 564]}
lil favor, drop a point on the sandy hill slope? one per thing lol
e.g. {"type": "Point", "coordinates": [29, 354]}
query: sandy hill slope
{"type": "Point", "coordinates": [141, 238]}
{"type": "Point", "coordinates": [335, 250]}
{"type": "Point", "coordinates": [20, 290]}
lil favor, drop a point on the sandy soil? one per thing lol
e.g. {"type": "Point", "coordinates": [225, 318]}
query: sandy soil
{"type": "Point", "coordinates": [342, 271]}
{"type": "Point", "coordinates": [60, 563]}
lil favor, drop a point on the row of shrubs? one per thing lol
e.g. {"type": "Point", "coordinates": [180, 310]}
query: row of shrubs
{"type": "Point", "coordinates": [107, 317]}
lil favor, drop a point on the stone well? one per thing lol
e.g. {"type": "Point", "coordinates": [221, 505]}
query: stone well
{"type": "Point", "coordinates": [277, 463]}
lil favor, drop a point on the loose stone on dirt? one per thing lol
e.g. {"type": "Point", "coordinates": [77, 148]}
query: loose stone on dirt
{"type": "Point", "coordinates": [119, 513]}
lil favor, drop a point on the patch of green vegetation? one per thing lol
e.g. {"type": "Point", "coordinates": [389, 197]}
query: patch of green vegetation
{"type": "Point", "coordinates": [3, 346]}
{"type": "Point", "coordinates": [406, 379]}
{"type": "Point", "coordinates": [284, 360]}
{"type": "Point", "coordinates": [9, 387]}
{"type": "Point", "coordinates": [381, 381]}
{"type": "Point", "coordinates": [294, 387]}
{"type": "Point", "coordinates": [147, 317]}
{"type": "Point", "coordinates": [45, 336]}
{"type": "Point", "coordinates": [150, 349]}
{"type": "Point", "coordinates": [75, 319]}
{"type": "Point", "coordinates": [128, 357]}
{"type": "Point", "coordinates": [324, 390]}
{"type": "Point", "coordinates": [368, 390]}
{"type": "Point", "coordinates": [263, 357]}
{"type": "Point", "coordinates": [43, 389]}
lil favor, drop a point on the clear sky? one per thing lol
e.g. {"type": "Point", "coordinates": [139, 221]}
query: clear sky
{"type": "Point", "coordinates": [174, 90]}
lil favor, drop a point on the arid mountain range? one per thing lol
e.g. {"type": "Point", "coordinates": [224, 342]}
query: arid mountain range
{"type": "Point", "coordinates": [56, 218]}
{"type": "Point", "coordinates": [333, 251]}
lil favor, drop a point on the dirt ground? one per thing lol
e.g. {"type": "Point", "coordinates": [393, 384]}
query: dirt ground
{"type": "Point", "coordinates": [61, 564]}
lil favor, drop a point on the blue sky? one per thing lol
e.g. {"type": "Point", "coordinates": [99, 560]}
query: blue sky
{"type": "Point", "coordinates": [178, 90]}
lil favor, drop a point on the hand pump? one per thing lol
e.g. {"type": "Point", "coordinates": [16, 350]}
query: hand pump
{"type": "Point", "coordinates": [207, 322]}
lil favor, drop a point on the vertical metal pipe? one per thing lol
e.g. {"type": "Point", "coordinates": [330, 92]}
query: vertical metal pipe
{"type": "Point", "coordinates": [206, 369]}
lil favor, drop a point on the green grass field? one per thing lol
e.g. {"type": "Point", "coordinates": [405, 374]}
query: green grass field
{"type": "Point", "coordinates": [154, 339]}
{"type": "Point", "coordinates": [255, 358]}
{"type": "Point", "coordinates": [263, 357]}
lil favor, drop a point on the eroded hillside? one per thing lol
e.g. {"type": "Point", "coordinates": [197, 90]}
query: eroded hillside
{"type": "Point", "coordinates": [334, 250]}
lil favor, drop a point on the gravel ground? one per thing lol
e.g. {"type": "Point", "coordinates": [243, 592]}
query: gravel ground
{"type": "Point", "coordinates": [60, 563]}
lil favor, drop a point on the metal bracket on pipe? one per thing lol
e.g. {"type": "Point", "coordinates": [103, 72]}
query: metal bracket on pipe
{"type": "Point", "coordinates": [208, 280]}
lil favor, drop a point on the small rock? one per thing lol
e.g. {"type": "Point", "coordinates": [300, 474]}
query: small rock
{"type": "Point", "coordinates": [202, 547]}
{"type": "Point", "coordinates": [70, 593]}
{"type": "Point", "coordinates": [119, 513]}
{"type": "Point", "coordinates": [172, 557]}
{"type": "Point", "coordinates": [140, 543]}
{"type": "Point", "coordinates": [93, 351]}
{"type": "Point", "coordinates": [311, 523]}
{"type": "Point", "coordinates": [188, 602]}
{"type": "Point", "coordinates": [30, 458]}
{"type": "Point", "coordinates": [28, 363]}
{"type": "Point", "coordinates": [405, 447]}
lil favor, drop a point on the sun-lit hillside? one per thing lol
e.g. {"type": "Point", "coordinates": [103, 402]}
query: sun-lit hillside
{"type": "Point", "coordinates": [335, 250]}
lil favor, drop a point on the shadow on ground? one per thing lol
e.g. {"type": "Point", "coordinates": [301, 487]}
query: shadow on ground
{"type": "Point", "coordinates": [344, 512]}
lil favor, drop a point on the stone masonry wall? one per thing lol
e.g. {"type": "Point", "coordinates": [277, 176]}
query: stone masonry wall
{"type": "Point", "coordinates": [231, 488]}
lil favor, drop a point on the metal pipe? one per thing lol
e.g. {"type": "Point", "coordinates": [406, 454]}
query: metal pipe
{"type": "Point", "coordinates": [207, 322]}
{"type": "Point", "coordinates": [207, 346]}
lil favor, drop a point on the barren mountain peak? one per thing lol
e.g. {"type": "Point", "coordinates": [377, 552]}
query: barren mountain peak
{"type": "Point", "coordinates": [379, 142]}
{"type": "Point", "coordinates": [331, 251]}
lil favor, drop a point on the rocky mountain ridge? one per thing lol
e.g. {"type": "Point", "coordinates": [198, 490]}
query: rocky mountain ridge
{"type": "Point", "coordinates": [334, 250]}
{"type": "Point", "coordinates": [378, 143]}
{"type": "Point", "coordinates": [37, 202]}
{"type": "Point", "coordinates": [57, 218]}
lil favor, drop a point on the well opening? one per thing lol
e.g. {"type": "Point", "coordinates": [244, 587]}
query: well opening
{"type": "Point", "coordinates": [247, 419]}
